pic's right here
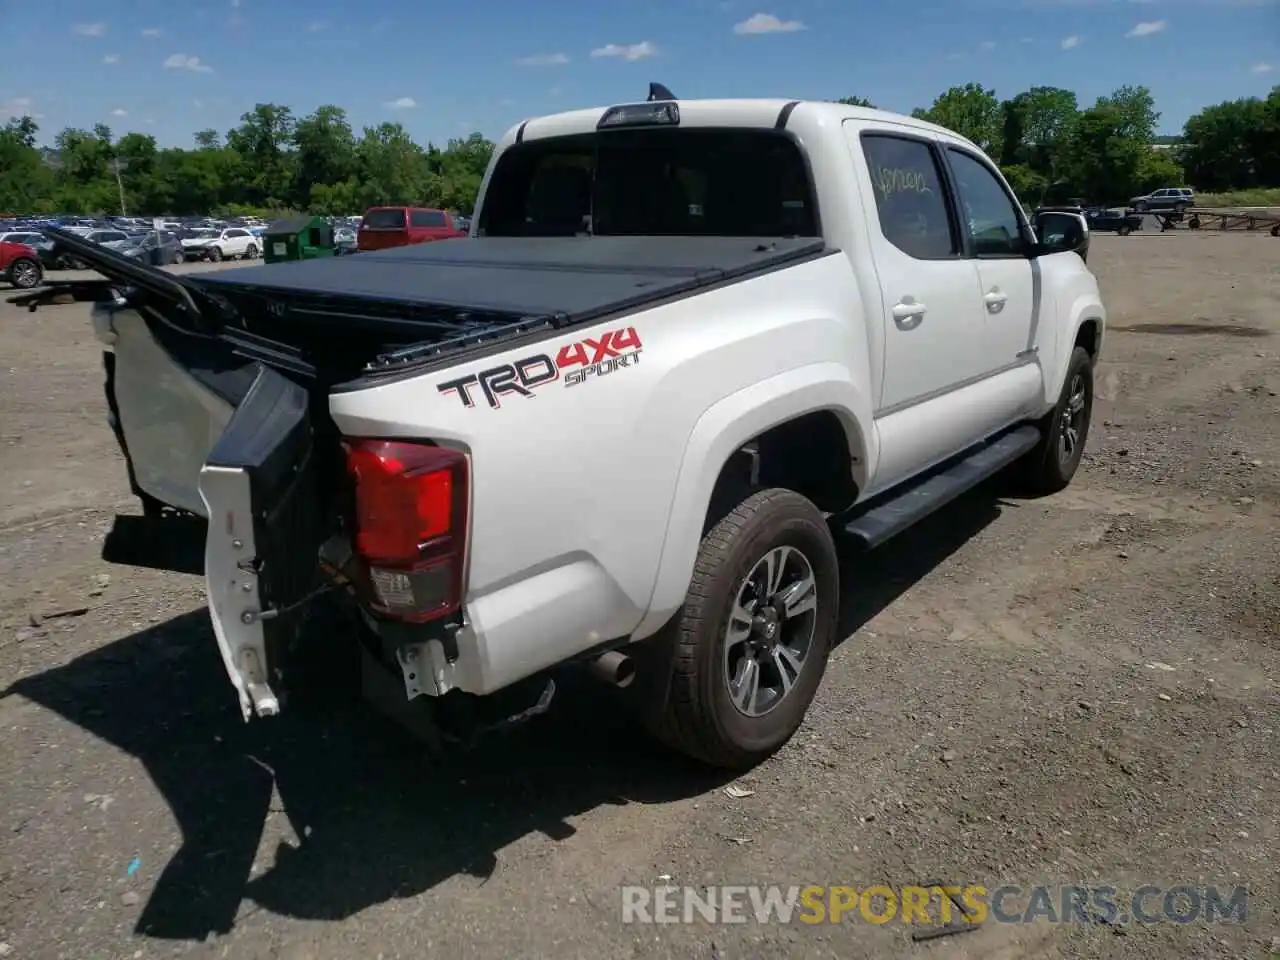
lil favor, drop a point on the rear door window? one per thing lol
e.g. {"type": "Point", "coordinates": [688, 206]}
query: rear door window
{"type": "Point", "coordinates": [910, 198]}
{"type": "Point", "coordinates": [384, 220]}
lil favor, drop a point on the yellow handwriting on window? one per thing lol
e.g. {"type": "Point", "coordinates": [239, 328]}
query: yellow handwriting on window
{"type": "Point", "coordinates": [893, 180]}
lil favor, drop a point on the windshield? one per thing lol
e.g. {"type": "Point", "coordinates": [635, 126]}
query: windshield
{"type": "Point", "coordinates": [663, 182]}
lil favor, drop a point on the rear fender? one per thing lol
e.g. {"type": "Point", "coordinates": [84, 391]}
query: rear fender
{"type": "Point", "coordinates": [725, 428]}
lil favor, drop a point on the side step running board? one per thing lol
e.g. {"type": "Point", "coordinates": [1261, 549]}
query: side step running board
{"type": "Point", "coordinates": [921, 499]}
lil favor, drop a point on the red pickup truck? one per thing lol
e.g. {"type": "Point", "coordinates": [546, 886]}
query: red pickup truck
{"type": "Point", "coordinates": [384, 227]}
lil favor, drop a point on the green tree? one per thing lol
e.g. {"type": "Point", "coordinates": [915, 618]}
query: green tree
{"type": "Point", "coordinates": [263, 142]}
{"type": "Point", "coordinates": [1101, 159]}
{"type": "Point", "coordinates": [1136, 109]}
{"type": "Point", "coordinates": [26, 181]}
{"type": "Point", "coordinates": [970, 110]}
{"type": "Point", "coordinates": [326, 150]}
{"type": "Point", "coordinates": [393, 168]}
{"type": "Point", "coordinates": [856, 102]}
{"type": "Point", "coordinates": [1235, 144]}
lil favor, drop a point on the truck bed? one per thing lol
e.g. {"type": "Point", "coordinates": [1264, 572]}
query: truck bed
{"type": "Point", "coordinates": [344, 319]}
{"type": "Point", "coordinates": [571, 278]}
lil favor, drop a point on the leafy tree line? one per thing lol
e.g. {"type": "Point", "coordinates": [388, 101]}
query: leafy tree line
{"type": "Point", "coordinates": [271, 162]}
{"type": "Point", "coordinates": [1045, 141]}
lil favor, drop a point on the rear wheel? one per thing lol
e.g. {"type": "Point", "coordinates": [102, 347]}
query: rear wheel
{"type": "Point", "coordinates": [251, 252]}
{"type": "Point", "coordinates": [25, 274]}
{"type": "Point", "coordinates": [1123, 230]}
{"type": "Point", "coordinates": [1052, 463]}
{"type": "Point", "coordinates": [754, 632]}
{"type": "Point", "coordinates": [215, 254]}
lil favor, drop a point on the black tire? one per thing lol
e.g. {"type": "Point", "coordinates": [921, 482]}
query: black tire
{"type": "Point", "coordinates": [177, 258]}
{"type": "Point", "coordinates": [214, 254]}
{"type": "Point", "coordinates": [251, 252]}
{"type": "Point", "coordinates": [700, 718]}
{"type": "Point", "coordinates": [25, 273]}
{"type": "Point", "coordinates": [1049, 466]}
{"type": "Point", "coordinates": [1123, 230]}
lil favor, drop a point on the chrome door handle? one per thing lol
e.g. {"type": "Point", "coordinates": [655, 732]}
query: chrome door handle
{"type": "Point", "coordinates": [995, 300]}
{"type": "Point", "coordinates": [908, 314]}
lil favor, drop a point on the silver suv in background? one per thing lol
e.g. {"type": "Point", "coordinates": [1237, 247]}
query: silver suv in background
{"type": "Point", "coordinates": [1175, 200]}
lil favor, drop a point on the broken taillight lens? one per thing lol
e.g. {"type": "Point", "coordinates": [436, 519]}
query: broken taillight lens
{"type": "Point", "coordinates": [409, 525]}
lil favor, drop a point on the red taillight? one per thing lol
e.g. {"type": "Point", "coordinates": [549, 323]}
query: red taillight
{"type": "Point", "coordinates": [410, 525]}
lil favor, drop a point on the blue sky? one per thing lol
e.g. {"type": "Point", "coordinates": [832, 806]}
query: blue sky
{"type": "Point", "coordinates": [444, 69]}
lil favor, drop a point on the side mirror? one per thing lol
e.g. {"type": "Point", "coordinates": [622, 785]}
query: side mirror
{"type": "Point", "coordinates": [1058, 231]}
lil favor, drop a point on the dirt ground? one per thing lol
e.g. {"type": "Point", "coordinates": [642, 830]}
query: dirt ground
{"type": "Point", "coordinates": [1077, 690]}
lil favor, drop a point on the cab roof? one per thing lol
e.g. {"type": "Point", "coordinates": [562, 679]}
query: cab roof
{"type": "Point", "coordinates": [747, 113]}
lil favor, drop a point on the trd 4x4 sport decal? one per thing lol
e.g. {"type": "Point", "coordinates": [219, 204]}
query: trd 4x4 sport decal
{"type": "Point", "coordinates": [574, 364]}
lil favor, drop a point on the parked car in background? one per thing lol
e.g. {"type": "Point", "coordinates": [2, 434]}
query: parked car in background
{"type": "Point", "coordinates": [30, 237]}
{"type": "Point", "coordinates": [155, 249]}
{"type": "Point", "coordinates": [20, 265]}
{"type": "Point", "coordinates": [45, 248]}
{"type": "Point", "coordinates": [234, 243]}
{"type": "Point", "coordinates": [345, 241]}
{"type": "Point", "coordinates": [111, 239]}
{"type": "Point", "coordinates": [1175, 200]}
{"type": "Point", "coordinates": [384, 227]}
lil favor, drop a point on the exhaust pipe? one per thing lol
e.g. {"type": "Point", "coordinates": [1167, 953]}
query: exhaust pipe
{"type": "Point", "coordinates": [613, 668]}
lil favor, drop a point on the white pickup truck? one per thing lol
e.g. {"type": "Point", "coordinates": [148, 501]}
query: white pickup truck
{"type": "Point", "coordinates": [687, 344]}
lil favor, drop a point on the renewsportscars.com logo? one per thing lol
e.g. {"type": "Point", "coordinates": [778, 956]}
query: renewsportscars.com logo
{"type": "Point", "coordinates": [934, 904]}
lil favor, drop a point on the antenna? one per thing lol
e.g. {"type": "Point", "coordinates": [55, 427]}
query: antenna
{"type": "Point", "coordinates": [658, 92]}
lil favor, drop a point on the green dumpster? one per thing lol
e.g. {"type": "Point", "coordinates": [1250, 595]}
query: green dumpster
{"type": "Point", "coordinates": [298, 238]}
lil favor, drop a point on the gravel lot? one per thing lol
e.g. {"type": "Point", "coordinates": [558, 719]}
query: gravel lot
{"type": "Point", "coordinates": [1081, 689]}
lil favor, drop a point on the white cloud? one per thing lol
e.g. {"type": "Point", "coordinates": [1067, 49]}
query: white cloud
{"type": "Point", "coordinates": [89, 29]}
{"type": "Point", "coordinates": [544, 60]}
{"type": "Point", "coordinates": [1147, 28]}
{"type": "Point", "coordinates": [988, 44]}
{"type": "Point", "coordinates": [235, 3]}
{"type": "Point", "coordinates": [111, 58]}
{"type": "Point", "coordinates": [118, 112]}
{"type": "Point", "coordinates": [1026, 40]}
{"type": "Point", "coordinates": [1261, 68]}
{"type": "Point", "coordinates": [1071, 42]}
{"type": "Point", "coordinates": [180, 61]}
{"type": "Point", "coordinates": [152, 32]}
{"type": "Point", "coordinates": [402, 103]}
{"type": "Point", "coordinates": [18, 107]}
{"type": "Point", "coordinates": [626, 51]}
{"type": "Point", "coordinates": [766, 23]}
{"type": "Point", "coordinates": [316, 26]}
{"type": "Point", "coordinates": [198, 104]}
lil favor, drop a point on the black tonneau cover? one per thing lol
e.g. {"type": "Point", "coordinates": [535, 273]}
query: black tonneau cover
{"type": "Point", "coordinates": [572, 278]}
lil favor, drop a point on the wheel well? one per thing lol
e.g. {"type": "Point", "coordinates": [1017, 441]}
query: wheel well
{"type": "Point", "coordinates": [809, 455]}
{"type": "Point", "coordinates": [1088, 336]}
